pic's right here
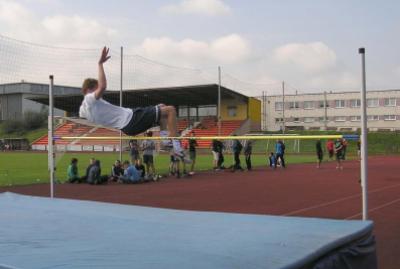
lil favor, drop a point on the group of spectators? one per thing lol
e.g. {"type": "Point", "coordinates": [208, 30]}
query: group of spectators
{"type": "Point", "coordinates": [275, 158]}
{"type": "Point", "coordinates": [134, 171]}
{"type": "Point", "coordinates": [120, 172]}
{"type": "Point", "coordinates": [337, 148]}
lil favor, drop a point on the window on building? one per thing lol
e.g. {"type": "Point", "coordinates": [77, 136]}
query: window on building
{"type": "Point", "coordinates": [355, 118]}
{"type": "Point", "coordinates": [389, 117]}
{"type": "Point", "coordinates": [322, 104]}
{"type": "Point", "coordinates": [205, 111]}
{"type": "Point", "coordinates": [308, 105]}
{"type": "Point", "coordinates": [355, 103]}
{"type": "Point", "coordinates": [278, 106]}
{"type": "Point", "coordinates": [372, 102]}
{"type": "Point", "coordinates": [373, 117]}
{"type": "Point", "coordinates": [339, 103]}
{"type": "Point", "coordinates": [340, 118]}
{"type": "Point", "coordinates": [294, 105]}
{"type": "Point", "coordinates": [296, 119]}
{"type": "Point", "coordinates": [308, 119]}
{"type": "Point", "coordinates": [278, 120]}
{"type": "Point", "coordinates": [390, 101]}
{"type": "Point", "coordinates": [322, 119]}
{"type": "Point", "coordinates": [232, 111]}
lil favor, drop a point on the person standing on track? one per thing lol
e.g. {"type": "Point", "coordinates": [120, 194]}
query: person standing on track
{"type": "Point", "coordinates": [320, 153]}
{"type": "Point", "coordinates": [248, 150]}
{"type": "Point", "coordinates": [148, 148]}
{"type": "Point", "coordinates": [339, 153]}
{"type": "Point", "coordinates": [280, 152]}
{"type": "Point", "coordinates": [330, 147]}
{"type": "Point", "coordinates": [237, 149]}
{"type": "Point", "coordinates": [192, 152]}
{"type": "Point", "coordinates": [134, 151]}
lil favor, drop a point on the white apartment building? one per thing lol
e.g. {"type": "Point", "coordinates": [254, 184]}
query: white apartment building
{"type": "Point", "coordinates": [332, 111]}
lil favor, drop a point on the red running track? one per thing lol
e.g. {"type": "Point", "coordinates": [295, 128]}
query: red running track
{"type": "Point", "coordinates": [299, 190]}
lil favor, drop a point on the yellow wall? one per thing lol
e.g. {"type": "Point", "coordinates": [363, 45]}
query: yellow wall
{"type": "Point", "coordinates": [241, 111]}
{"type": "Point", "coordinates": [255, 110]}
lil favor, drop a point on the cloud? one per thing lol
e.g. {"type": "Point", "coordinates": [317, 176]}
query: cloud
{"type": "Point", "coordinates": [19, 22]}
{"type": "Point", "coordinates": [202, 7]}
{"type": "Point", "coordinates": [310, 57]}
{"type": "Point", "coordinates": [75, 29]}
{"type": "Point", "coordinates": [189, 52]}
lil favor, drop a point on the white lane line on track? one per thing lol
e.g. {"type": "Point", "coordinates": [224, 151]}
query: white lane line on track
{"type": "Point", "coordinates": [338, 200]}
{"type": "Point", "coordinates": [375, 208]}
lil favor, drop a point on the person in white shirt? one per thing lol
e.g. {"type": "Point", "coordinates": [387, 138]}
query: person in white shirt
{"type": "Point", "coordinates": [130, 121]}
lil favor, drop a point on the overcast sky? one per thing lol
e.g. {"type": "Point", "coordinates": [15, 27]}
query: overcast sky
{"type": "Point", "coordinates": [312, 45]}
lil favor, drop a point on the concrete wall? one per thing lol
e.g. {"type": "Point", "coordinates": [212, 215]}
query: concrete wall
{"type": "Point", "coordinates": [241, 109]}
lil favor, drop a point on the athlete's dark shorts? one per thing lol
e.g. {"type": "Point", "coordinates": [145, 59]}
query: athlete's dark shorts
{"type": "Point", "coordinates": [320, 155]}
{"type": "Point", "coordinates": [143, 118]}
{"type": "Point", "coordinates": [148, 159]}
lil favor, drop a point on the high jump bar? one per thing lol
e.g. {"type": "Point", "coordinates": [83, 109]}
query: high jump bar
{"type": "Point", "coordinates": [243, 137]}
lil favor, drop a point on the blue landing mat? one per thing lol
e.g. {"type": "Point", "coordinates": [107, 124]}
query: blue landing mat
{"type": "Point", "coordinates": [43, 233]}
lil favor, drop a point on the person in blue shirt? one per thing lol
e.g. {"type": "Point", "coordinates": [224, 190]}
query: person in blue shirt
{"type": "Point", "coordinates": [280, 152]}
{"type": "Point", "coordinates": [131, 174]}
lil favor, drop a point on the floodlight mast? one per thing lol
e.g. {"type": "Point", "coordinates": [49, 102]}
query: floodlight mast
{"type": "Point", "coordinates": [364, 142]}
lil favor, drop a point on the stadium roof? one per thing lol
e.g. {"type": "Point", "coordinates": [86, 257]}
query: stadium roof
{"type": "Point", "coordinates": [198, 95]}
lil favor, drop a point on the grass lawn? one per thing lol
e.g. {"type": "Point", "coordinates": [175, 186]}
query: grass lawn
{"type": "Point", "coordinates": [19, 168]}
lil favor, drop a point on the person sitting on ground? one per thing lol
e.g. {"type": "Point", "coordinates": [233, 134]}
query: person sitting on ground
{"type": "Point", "coordinates": [95, 177]}
{"type": "Point", "coordinates": [116, 171]}
{"type": "Point", "coordinates": [91, 163]}
{"type": "Point", "coordinates": [130, 121]}
{"type": "Point", "coordinates": [131, 174]}
{"type": "Point", "coordinates": [140, 168]}
{"type": "Point", "coordinates": [73, 171]}
{"type": "Point", "coordinates": [272, 160]}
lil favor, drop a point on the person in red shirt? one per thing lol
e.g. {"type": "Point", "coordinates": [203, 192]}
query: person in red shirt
{"type": "Point", "coordinates": [330, 147]}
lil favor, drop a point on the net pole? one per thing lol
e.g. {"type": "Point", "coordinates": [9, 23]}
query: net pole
{"type": "Point", "coordinates": [364, 142]}
{"type": "Point", "coordinates": [219, 100]}
{"type": "Point", "coordinates": [50, 136]}
{"type": "Point", "coordinates": [283, 108]}
{"type": "Point", "coordinates": [120, 99]}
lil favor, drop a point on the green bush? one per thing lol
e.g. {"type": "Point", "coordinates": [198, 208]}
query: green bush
{"type": "Point", "coordinates": [34, 120]}
{"type": "Point", "coordinates": [12, 126]}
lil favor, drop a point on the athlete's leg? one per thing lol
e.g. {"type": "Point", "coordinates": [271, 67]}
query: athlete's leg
{"type": "Point", "coordinates": [168, 119]}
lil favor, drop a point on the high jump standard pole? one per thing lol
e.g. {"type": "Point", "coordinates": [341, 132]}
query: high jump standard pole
{"type": "Point", "coordinates": [120, 100]}
{"type": "Point", "coordinates": [364, 142]}
{"type": "Point", "coordinates": [219, 101]}
{"type": "Point", "coordinates": [50, 136]}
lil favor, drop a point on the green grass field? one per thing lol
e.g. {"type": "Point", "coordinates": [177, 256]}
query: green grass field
{"type": "Point", "coordinates": [20, 168]}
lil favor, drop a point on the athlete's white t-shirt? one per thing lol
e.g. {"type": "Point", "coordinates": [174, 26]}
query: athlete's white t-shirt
{"type": "Point", "coordinates": [103, 113]}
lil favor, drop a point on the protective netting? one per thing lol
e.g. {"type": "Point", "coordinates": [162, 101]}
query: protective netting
{"type": "Point", "coordinates": [23, 61]}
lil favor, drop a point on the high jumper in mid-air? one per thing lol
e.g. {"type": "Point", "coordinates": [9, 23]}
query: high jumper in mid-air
{"type": "Point", "coordinates": [130, 121]}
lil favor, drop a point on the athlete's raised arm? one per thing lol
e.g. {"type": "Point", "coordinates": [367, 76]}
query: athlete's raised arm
{"type": "Point", "coordinates": [102, 76]}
